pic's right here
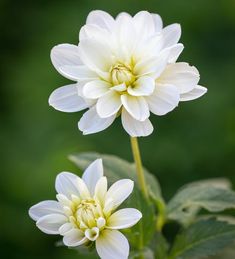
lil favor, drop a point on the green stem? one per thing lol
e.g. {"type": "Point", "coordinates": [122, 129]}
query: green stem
{"type": "Point", "coordinates": [161, 218]}
{"type": "Point", "coordinates": [139, 167]}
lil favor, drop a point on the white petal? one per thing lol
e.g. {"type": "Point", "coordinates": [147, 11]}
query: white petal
{"type": "Point", "coordinates": [112, 244]}
{"type": "Point", "coordinates": [134, 127]}
{"type": "Point", "coordinates": [78, 73]}
{"type": "Point", "coordinates": [164, 99]}
{"type": "Point", "coordinates": [64, 200]}
{"type": "Point", "coordinates": [124, 218]}
{"type": "Point", "coordinates": [144, 23]}
{"type": "Point", "coordinates": [181, 75]}
{"type": "Point", "coordinates": [51, 223]}
{"type": "Point", "coordinates": [126, 36]}
{"type": "Point", "coordinates": [66, 99]}
{"type": "Point", "coordinates": [109, 104]}
{"type": "Point", "coordinates": [92, 234]}
{"type": "Point", "coordinates": [101, 189]}
{"type": "Point", "coordinates": [148, 48]}
{"type": "Point", "coordinates": [171, 34]}
{"type": "Point", "coordinates": [197, 92]}
{"type": "Point", "coordinates": [66, 183]}
{"type": "Point", "coordinates": [44, 208]}
{"type": "Point", "coordinates": [119, 191]}
{"type": "Point", "coordinates": [175, 52]}
{"type": "Point", "coordinates": [83, 190]}
{"type": "Point", "coordinates": [92, 174]}
{"type": "Point", "coordinates": [152, 67]}
{"type": "Point", "coordinates": [101, 222]}
{"type": "Point", "coordinates": [157, 22]}
{"type": "Point", "coordinates": [64, 56]}
{"type": "Point", "coordinates": [93, 31]}
{"type": "Point", "coordinates": [92, 123]}
{"type": "Point", "coordinates": [96, 55]}
{"type": "Point", "coordinates": [136, 106]}
{"type": "Point", "coordinates": [74, 237]}
{"type": "Point", "coordinates": [95, 89]}
{"type": "Point", "coordinates": [142, 87]}
{"type": "Point", "coordinates": [119, 88]}
{"type": "Point", "coordinates": [101, 19]}
{"type": "Point", "coordinates": [65, 228]}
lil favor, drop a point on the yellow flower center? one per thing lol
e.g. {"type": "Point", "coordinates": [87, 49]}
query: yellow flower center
{"type": "Point", "coordinates": [87, 215]}
{"type": "Point", "coordinates": [121, 73]}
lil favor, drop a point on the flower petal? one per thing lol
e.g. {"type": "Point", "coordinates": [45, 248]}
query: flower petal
{"type": "Point", "coordinates": [143, 86]}
{"type": "Point", "coordinates": [124, 218]}
{"type": "Point", "coordinates": [92, 175]}
{"type": "Point", "coordinates": [101, 189]}
{"type": "Point", "coordinates": [51, 223]}
{"type": "Point", "coordinates": [66, 99]}
{"type": "Point", "coordinates": [181, 75]}
{"type": "Point", "coordinates": [112, 244]}
{"type": "Point", "coordinates": [124, 36]}
{"type": "Point", "coordinates": [144, 23]}
{"type": "Point", "coordinates": [92, 234]}
{"type": "Point", "coordinates": [65, 228]}
{"type": "Point", "coordinates": [92, 123]}
{"type": "Point", "coordinates": [197, 92]}
{"type": "Point", "coordinates": [136, 106]}
{"type": "Point", "coordinates": [101, 19]}
{"type": "Point", "coordinates": [153, 66]}
{"type": "Point", "coordinates": [119, 191]}
{"type": "Point", "coordinates": [45, 208]}
{"type": "Point", "coordinates": [134, 127]}
{"type": "Point", "coordinates": [175, 52]}
{"type": "Point", "coordinates": [164, 99]}
{"type": "Point", "coordinates": [95, 89]}
{"type": "Point", "coordinates": [96, 55]}
{"type": "Point", "coordinates": [109, 104]}
{"type": "Point", "coordinates": [171, 34]}
{"type": "Point", "coordinates": [66, 183]}
{"type": "Point", "coordinates": [157, 22]}
{"type": "Point", "coordinates": [93, 31]}
{"type": "Point", "coordinates": [64, 56]}
{"type": "Point", "coordinates": [74, 237]}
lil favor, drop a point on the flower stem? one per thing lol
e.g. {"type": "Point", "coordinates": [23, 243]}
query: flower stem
{"type": "Point", "coordinates": [161, 219]}
{"type": "Point", "coordinates": [139, 167]}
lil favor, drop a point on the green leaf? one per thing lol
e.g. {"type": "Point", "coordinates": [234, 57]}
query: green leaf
{"type": "Point", "coordinates": [228, 253]}
{"type": "Point", "coordinates": [160, 246]}
{"type": "Point", "coordinates": [201, 239]}
{"type": "Point", "coordinates": [147, 253]}
{"type": "Point", "coordinates": [213, 196]}
{"type": "Point", "coordinates": [115, 169]}
{"type": "Point", "coordinates": [141, 234]}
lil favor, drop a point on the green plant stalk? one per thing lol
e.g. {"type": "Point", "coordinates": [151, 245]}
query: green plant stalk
{"type": "Point", "coordinates": [161, 218]}
{"type": "Point", "coordinates": [139, 167]}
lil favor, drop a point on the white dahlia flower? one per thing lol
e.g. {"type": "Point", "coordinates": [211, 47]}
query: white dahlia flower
{"type": "Point", "coordinates": [85, 212]}
{"type": "Point", "coordinates": [124, 66]}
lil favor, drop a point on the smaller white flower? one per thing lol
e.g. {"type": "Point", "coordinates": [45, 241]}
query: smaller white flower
{"type": "Point", "coordinates": [85, 212]}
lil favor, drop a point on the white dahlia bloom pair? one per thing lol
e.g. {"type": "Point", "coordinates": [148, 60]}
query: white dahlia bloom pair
{"type": "Point", "coordinates": [124, 66]}
{"type": "Point", "coordinates": [85, 212]}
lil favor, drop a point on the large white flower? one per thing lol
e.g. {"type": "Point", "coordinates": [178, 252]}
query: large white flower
{"type": "Point", "coordinates": [85, 212]}
{"type": "Point", "coordinates": [124, 66]}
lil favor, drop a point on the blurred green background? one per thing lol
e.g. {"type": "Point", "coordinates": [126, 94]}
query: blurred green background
{"type": "Point", "coordinates": [195, 141]}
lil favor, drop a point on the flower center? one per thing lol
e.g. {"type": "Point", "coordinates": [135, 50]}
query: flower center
{"type": "Point", "coordinates": [87, 215]}
{"type": "Point", "coordinates": [121, 73]}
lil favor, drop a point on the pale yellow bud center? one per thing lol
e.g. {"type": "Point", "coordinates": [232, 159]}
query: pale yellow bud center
{"type": "Point", "coordinates": [87, 215]}
{"type": "Point", "coordinates": [121, 73]}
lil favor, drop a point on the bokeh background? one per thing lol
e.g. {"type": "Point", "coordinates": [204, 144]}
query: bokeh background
{"type": "Point", "coordinates": [195, 141]}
